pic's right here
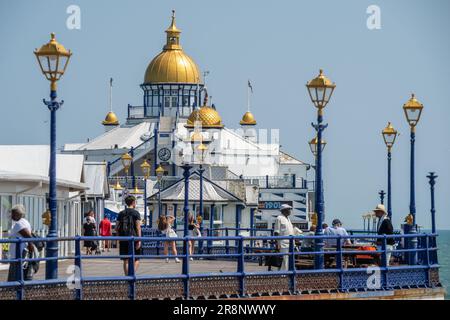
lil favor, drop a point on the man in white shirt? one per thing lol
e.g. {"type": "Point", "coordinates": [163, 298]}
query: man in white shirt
{"type": "Point", "coordinates": [284, 227]}
{"type": "Point", "coordinates": [21, 228]}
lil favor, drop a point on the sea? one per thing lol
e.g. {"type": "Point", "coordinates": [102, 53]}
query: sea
{"type": "Point", "coordinates": [444, 259]}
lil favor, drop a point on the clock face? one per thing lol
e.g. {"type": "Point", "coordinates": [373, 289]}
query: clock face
{"type": "Point", "coordinates": [164, 154]}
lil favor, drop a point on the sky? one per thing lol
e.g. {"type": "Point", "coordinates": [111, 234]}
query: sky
{"type": "Point", "coordinates": [279, 45]}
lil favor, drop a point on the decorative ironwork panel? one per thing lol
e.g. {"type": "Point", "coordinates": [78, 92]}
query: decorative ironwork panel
{"type": "Point", "coordinates": [354, 280]}
{"type": "Point", "coordinates": [213, 286]}
{"type": "Point", "coordinates": [407, 277]}
{"type": "Point", "coordinates": [434, 277]}
{"type": "Point", "coordinates": [105, 290]}
{"type": "Point", "coordinates": [266, 284]}
{"type": "Point", "coordinates": [58, 291]}
{"type": "Point", "coordinates": [159, 289]}
{"type": "Point", "coordinates": [8, 293]}
{"type": "Point", "coordinates": [317, 281]}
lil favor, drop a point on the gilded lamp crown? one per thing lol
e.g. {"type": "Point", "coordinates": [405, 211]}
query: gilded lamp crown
{"type": "Point", "coordinates": [321, 81]}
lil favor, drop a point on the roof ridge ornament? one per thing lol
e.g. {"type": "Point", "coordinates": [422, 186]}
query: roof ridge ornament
{"type": "Point", "coordinates": [173, 36]}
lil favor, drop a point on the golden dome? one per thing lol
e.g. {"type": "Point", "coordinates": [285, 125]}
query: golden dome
{"type": "Point", "coordinates": [208, 117]}
{"type": "Point", "coordinates": [248, 119]}
{"type": "Point", "coordinates": [111, 119]}
{"type": "Point", "coordinates": [172, 65]}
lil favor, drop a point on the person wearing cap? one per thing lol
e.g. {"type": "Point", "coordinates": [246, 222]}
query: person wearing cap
{"type": "Point", "coordinates": [384, 227]}
{"type": "Point", "coordinates": [336, 229]}
{"type": "Point", "coordinates": [284, 227]}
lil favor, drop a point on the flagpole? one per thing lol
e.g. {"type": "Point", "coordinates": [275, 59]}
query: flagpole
{"type": "Point", "coordinates": [248, 96]}
{"type": "Point", "coordinates": [110, 94]}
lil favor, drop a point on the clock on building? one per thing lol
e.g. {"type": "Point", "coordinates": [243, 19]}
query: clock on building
{"type": "Point", "coordinates": [164, 154]}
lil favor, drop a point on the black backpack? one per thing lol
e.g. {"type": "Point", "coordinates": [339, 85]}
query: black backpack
{"type": "Point", "coordinates": [127, 224]}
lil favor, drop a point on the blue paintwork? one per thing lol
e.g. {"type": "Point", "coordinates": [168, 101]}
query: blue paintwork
{"type": "Point", "coordinates": [389, 189]}
{"type": "Point", "coordinates": [412, 203]}
{"type": "Point", "coordinates": [51, 269]}
{"type": "Point", "coordinates": [186, 175]}
{"type": "Point", "coordinates": [145, 202]}
{"type": "Point", "coordinates": [349, 279]}
{"type": "Point", "coordinates": [432, 181]}
{"type": "Point", "coordinates": [319, 198]}
{"type": "Point", "coordinates": [382, 194]}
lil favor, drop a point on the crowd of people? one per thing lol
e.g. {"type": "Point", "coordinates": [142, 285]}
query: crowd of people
{"type": "Point", "coordinates": [129, 224]}
{"type": "Point", "coordinates": [284, 227]}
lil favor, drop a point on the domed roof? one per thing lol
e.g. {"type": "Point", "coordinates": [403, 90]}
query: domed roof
{"type": "Point", "coordinates": [111, 119]}
{"type": "Point", "coordinates": [172, 65]}
{"type": "Point", "coordinates": [208, 117]}
{"type": "Point", "coordinates": [248, 119]}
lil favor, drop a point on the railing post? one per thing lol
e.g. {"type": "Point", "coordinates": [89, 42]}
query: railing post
{"type": "Point", "coordinates": [131, 271]}
{"type": "Point", "coordinates": [185, 267]}
{"type": "Point", "coordinates": [240, 266]}
{"type": "Point", "coordinates": [427, 259]}
{"type": "Point", "coordinates": [339, 259]}
{"type": "Point", "coordinates": [79, 290]}
{"type": "Point", "coordinates": [384, 262]}
{"type": "Point", "coordinates": [292, 265]}
{"type": "Point", "coordinates": [227, 242]}
{"type": "Point", "coordinates": [19, 270]}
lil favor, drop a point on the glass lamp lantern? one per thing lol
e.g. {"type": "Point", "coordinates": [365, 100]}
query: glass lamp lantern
{"type": "Point", "coordinates": [389, 135]}
{"type": "Point", "coordinates": [413, 110]}
{"type": "Point", "coordinates": [320, 90]}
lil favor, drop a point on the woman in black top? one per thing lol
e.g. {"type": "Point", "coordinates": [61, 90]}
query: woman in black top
{"type": "Point", "coordinates": [89, 231]}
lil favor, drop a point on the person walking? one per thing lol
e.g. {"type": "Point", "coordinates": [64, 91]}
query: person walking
{"type": "Point", "coordinates": [21, 228]}
{"type": "Point", "coordinates": [284, 227]}
{"type": "Point", "coordinates": [129, 225]}
{"type": "Point", "coordinates": [105, 231]}
{"type": "Point", "coordinates": [384, 227]}
{"type": "Point", "coordinates": [89, 229]}
{"type": "Point", "coordinates": [194, 231]}
{"type": "Point", "coordinates": [165, 226]}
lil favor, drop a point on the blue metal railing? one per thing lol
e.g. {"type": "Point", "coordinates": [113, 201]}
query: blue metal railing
{"type": "Point", "coordinates": [427, 250]}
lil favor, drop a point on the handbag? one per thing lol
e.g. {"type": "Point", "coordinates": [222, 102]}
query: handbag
{"type": "Point", "coordinates": [29, 268]}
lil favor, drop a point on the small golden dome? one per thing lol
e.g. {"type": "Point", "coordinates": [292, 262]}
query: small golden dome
{"type": "Point", "coordinates": [172, 65]}
{"type": "Point", "coordinates": [248, 119]}
{"type": "Point", "coordinates": [208, 117]}
{"type": "Point", "coordinates": [111, 119]}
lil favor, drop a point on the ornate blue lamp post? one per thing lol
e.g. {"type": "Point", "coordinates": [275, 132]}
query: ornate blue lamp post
{"type": "Point", "coordinates": [382, 194]}
{"type": "Point", "coordinates": [159, 175]}
{"type": "Point", "coordinates": [432, 181]}
{"type": "Point", "coordinates": [320, 90]}
{"type": "Point", "coordinates": [389, 135]}
{"type": "Point", "coordinates": [127, 160]}
{"type": "Point", "coordinates": [186, 173]}
{"type": "Point", "coordinates": [413, 110]}
{"type": "Point", "coordinates": [145, 167]}
{"type": "Point", "coordinates": [53, 59]}
{"type": "Point", "coordinates": [202, 148]}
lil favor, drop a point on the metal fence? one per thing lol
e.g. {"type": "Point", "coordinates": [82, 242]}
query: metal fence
{"type": "Point", "coordinates": [336, 276]}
